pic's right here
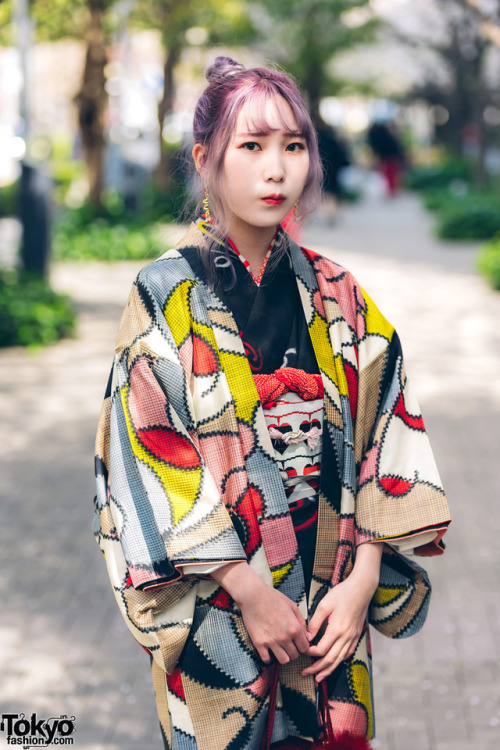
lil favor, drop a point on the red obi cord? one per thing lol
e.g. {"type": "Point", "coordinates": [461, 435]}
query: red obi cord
{"type": "Point", "coordinates": [271, 387]}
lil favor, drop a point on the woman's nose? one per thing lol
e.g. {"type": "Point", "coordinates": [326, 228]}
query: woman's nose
{"type": "Point", "coordinates": [274, 170]}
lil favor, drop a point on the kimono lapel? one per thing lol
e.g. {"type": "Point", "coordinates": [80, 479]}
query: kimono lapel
{"type": "Point", "coordinates": [264, 480]}
{"type": "Point", "coordinates": [328, 331]}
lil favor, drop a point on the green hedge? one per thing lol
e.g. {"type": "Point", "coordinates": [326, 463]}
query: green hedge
{"type": "Point", "coordinates": [102, 241]}
{"type": "Point", "coordinates": [31, 312]}
{"type": "Point", "coordinates": [113, 232]}
{"type": "Point", "coordinates": [439, 176]}
{"type": "Point", "coordinates": [8, 200]}
{"type": "Point", "coordinates": [488, 262]}
{"type": "Point", "coordinates": [469, 220]}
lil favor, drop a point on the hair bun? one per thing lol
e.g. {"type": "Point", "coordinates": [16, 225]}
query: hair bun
{"type": "Point", "coordinates": [223, 67]}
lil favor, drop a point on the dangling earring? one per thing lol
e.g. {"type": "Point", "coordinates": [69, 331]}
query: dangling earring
{"type": "Point", "coordinates": [296, 211]}
{"type": "Point", "coordinates": [206, 204]}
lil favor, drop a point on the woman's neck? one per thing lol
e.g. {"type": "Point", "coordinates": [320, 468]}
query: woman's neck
{"type": "Point", "coordinates": [253, 243]}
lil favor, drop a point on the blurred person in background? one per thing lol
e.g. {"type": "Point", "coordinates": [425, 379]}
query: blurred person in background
{"type": "Point", "coordinates": [262, 467]}
{"type": "Point", "coordinates": [390, 155]}
{"type": "Point", "coordinates": [335, 158]}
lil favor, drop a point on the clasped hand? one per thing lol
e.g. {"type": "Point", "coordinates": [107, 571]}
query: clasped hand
{"type": "Point", "coordinates": [275, 625]}
{"type": "Point", "coordinates": [344, 609]}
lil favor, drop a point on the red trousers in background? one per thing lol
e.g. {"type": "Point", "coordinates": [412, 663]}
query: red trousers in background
{"type": "Point", "coordinates": [392, 169]}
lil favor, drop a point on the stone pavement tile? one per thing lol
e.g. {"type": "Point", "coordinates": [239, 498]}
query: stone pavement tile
{"type": "Point", "coordinates": [447, 723]}
{"type": "Point", "coordinates": [410, 732]}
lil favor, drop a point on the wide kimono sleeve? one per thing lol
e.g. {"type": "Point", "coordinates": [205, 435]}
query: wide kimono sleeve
{"type": "Point", "coordinates": [400, 498]}
{"type": "Point", "coordinates": [157, 509]}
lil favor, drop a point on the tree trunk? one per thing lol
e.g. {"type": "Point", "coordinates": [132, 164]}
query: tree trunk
{"type": "Point", "coordinates": [163, 173]}
{"type": "Point", "coordinates": [91, 102]}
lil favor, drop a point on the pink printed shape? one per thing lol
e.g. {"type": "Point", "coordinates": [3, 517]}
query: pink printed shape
{"type": "Point", "coordinates": [146, 400]}
{"type": "Point", "coordinates": [336, 283]}
{"type": "Point", "coordinates": [186, 355]}
{"type": "Point", "coordinates": [260, 687]}
{"type": "Point", "coordinates": [348, 717]}
{"type": "Point", "coordinates": [279, 540]}
{"type": "Point", "coordinates": [247, 439]}
{"type": "Point", "coordinates": [369, 466]}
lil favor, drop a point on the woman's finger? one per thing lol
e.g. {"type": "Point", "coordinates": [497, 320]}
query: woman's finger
{"type": "Point", "coordinates": [280, 654]}
{"type": "Point", "coordinates": [290, 650]}
{"type": "Point", "coordinates": [317, 619]}
{"type": "Point", "coordinates": [331, 659]}
{"type": "Point", "coordinates": [264, 654]}
{"type": "Point", "coordinates": [331, 635]}
{"type": "Point", "coordinates": [301, 642]}
{"type": "Point", "coordinates": [330, 665]}
{"type": "Point", "coordinates": [302, 622]}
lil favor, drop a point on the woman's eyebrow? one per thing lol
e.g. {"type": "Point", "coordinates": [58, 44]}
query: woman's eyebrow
{"type": "Point", "coordinates": [263, 133]}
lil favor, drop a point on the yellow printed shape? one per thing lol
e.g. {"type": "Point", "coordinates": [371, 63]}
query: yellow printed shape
{"type": "Point", "coordinates": [241, 385]}
{"type": "Point", "coordinates": [360, 683]}
{"type": "Point", "coordinates": [332, 365]}
{"type": "Point", "coordinates": [280, 574]}
{"type": "Point", "coordinates": [181, 485]}
{"type": "Point", "coordinates": [386, 594]}
{"type": "Point", "coordinates": [177, 311]}
{"type": "Point", "coordinates": [375, 321]}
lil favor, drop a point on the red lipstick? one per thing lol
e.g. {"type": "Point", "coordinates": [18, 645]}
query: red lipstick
{"type": "Point", "coordinates": [276, 199]}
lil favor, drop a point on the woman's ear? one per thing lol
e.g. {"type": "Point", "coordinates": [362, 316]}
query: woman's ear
{"type": "Point", "coordinates": [199, 155]}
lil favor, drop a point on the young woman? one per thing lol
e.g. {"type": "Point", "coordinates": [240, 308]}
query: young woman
{"type": "Point", "coordinates": [261, 462]}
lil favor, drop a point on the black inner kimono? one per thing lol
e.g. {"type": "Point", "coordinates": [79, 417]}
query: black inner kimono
{"type": "Point", "coordinates": [274, 332]}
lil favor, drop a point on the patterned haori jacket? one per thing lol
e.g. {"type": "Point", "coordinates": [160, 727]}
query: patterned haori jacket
{"type": "Point", "coordinates": [186, 476]}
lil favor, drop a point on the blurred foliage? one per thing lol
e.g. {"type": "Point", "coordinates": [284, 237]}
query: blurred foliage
{"type": "Point", "coordinates": [306, 34]}
{"type": "Point", "coordinates": [439, 176]}
{"type": "Point", "coordinates": [488, 262]}
{"type": "Point", "coordinates": [8, 199]}
{"type": "Point", "coordinates": [459, 195]}
{"type": "Point", "coordinates": [468, 221]}
{"type": "Point", "coordinates": [6, 28]}
{"type": "Point", "coordinates": [225, 21]}
{"type": "Point", "coordinates": [101, 240]}
{"type": "Point", "coordinates": [53, 19]}
{"type": "Point", "coordinates": [31, 312]}
{"type": "Point", "coordinates": [464, 212]}
{"type": "Point", "coordinates": [114, 232]}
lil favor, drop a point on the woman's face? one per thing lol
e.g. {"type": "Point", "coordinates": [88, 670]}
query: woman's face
{"type": "Point", "coordinates": [264, 173]}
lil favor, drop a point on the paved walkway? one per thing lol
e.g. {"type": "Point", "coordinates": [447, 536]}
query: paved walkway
{"type": "Point", "coordinates": [64, 648]}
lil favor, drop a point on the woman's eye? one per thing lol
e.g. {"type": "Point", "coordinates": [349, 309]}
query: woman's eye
{"type": "Point", "coordinates": [250, 146]}
{"type": "Point", "coordinates": [295, 147]}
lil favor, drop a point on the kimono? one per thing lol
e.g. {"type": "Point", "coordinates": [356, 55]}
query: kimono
{"type": "Point", "coordinates": [187, 478]}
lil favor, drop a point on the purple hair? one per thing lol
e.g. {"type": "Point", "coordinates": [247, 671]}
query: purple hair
{"type": "Point", "coordinates": [231, 85]}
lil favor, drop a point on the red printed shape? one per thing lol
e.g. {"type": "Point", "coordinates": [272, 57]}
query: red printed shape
{"type": "Point", "coordinates": [248, 509]}
{"type": "Point", "coordinates": [221, 600]}
{"type": "Point", "coordinates": [204, 357]}
{"type": "Point", "coordinates": [395, 485]}
{"type": "Point", "coordinates": [174, 682]}
{"type": "Point", "coordinates": [170, 446]}
{"type": "Point", "coordinates": [416, 423]}
{"type": "Point", "coordinates": [352, 387]}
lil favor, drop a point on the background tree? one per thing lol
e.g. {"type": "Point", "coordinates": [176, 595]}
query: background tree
{"type": "Point", "coordinates": [91, 21]}
{"type": "Point", "coordinates": [221, 22]}
{"type": "Point", "coordinates": [305, 35]}
{"type": "Point", "coordinates": [463, 47]}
